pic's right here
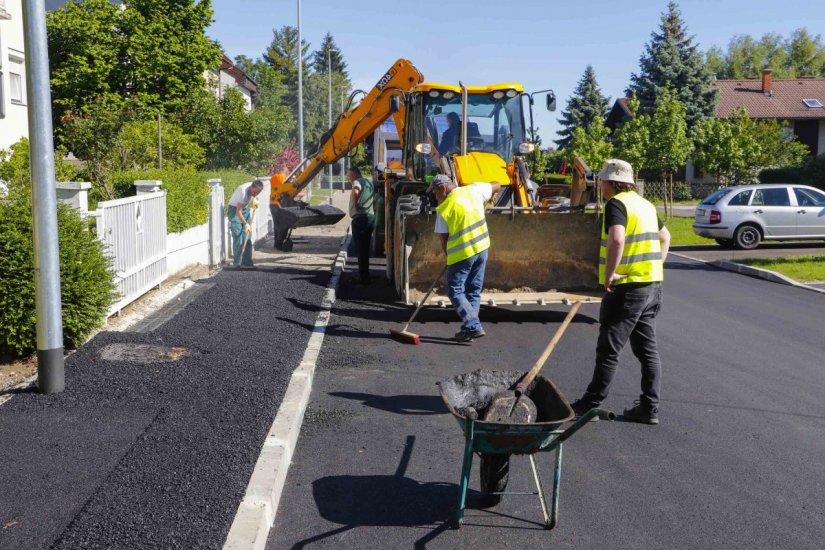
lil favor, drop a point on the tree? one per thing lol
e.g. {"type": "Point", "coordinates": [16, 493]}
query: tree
{"type": "Point", "coordinates": [136, 147]}
{"type": "Point", "coordinates": [153, 52]}
{"type": "Point", "coordinates": [585, 106]}
{"type": "Point", "coordinates": [15, 167]}
{"type": "Point", "coordinates": [319, 58]}
{"type": "Point", "coordinates": [669, 144]}
{"type": "Point", "coordinates": [591, 145]}
{"type": "Point", "coordinates": [282, 55]}
{"type": "Point", "coordinates": [672, 61]}
{"type": "Point", "coordinates": [632, 140]}
{"type": "Point", "coordinates": [746, 57]}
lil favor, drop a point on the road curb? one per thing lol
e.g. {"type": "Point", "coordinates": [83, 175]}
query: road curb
{"type": "Point", "coordinates": [751, 271]}
{"type": "Point", "coordinates": [256, 513]}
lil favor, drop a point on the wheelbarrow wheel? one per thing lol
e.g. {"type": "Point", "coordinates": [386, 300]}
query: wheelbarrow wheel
{"type": "Point", "coordinates": [494, 473]}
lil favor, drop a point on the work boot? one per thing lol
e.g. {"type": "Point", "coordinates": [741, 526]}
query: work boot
{"type": "Point", "coordinates": [581, 406]}
{"type": "Point", "coordinates": [642, 413]}
{"type": "Point", "coordinates": [465, 335]}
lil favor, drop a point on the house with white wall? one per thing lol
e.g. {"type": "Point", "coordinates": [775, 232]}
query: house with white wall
{"type": "Point", "coordinates": [14, 121]}
{"type": "Point", "coordinates": [226, 76]}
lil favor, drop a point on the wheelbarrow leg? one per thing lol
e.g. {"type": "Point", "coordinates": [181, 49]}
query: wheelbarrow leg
{"type": "Point", "coordinates": [465, 474]}
{"type": "Point", "coordinates": [554, 511]}
{"type": "Point", "coordinates": [540, 491]}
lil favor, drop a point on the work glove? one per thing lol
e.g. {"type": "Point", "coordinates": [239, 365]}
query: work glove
{"type": "Point", "coordinates": [254, 203]}
{"type": "Point", "coordinates": [248, 229]}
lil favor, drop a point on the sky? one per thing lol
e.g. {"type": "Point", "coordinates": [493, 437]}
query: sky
{"type": "Point", "coordinates": [539, 43]}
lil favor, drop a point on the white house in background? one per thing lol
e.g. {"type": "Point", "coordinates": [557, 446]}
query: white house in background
{"type": "Point", "coordinates": [14, 120]}
{"type": "Point", "coordinates": [227, 75]}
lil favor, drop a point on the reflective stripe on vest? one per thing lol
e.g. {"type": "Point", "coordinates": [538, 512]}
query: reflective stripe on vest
{"type": "Point", "coordinates": [463, 212]}
{"type": "Point", "coordinates": [641, 260]}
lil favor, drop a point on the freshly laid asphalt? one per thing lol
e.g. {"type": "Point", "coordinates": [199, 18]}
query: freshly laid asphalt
{"type": "Point", "coordinates": [736, 462]}
{"type": "Point", "coordinates": [158, 455]}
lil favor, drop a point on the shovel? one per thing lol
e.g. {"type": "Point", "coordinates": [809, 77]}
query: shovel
{"type": "Point", "coordinates": [512, 406]}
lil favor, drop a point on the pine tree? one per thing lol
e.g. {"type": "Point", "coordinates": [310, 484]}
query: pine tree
{"type": "Point", "coordinates": [585, 106]}
{"type": "Point", "coordinates": [282, 55]}
{"type": "Point", "coordinates": [672, 60]}
{"type": "Point", "coordinates": [336, 59]}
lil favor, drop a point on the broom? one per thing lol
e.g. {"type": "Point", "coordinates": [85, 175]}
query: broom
{"type": "Point", "coordinates": [404, 335]}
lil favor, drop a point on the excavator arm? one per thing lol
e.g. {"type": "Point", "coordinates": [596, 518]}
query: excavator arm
{"type": "Point", "coordinates": [354, 126]}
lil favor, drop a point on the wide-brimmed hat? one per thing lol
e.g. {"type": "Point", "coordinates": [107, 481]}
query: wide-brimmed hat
{"type": "Point", "coordinates": [440, 179]}
{"type": "Point", "coordinates": [617, 170]}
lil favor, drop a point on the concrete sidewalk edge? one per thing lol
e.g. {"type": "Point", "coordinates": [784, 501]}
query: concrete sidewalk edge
{"type": "Point", "coordinates": [751, 271]}
{"type": "Point", "coordinates": [256, 513]}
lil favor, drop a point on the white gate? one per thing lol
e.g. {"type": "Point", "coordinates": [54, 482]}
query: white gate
{"type": "Point", "coordinates": [134, 232]}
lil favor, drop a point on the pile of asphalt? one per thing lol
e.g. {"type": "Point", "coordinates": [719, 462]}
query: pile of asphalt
{"type": "Point", "coordinates": [157, 455]}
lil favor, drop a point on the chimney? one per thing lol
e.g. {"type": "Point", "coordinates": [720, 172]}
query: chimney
{"type": "Point", "coordinates": [767, 82]}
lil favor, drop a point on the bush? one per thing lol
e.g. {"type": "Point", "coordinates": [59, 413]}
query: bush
{"type": "Point", "coordinates": [187, 198]}
{"type": "Point", "coordinates": [230, 180]}
{"type": "Point", "coordinates": [682, 191]}
{"type": "Point", "coordinates": [810, 172]}
{"type": "Point", "coordinates": [86, 282]}
{"type": "Point", "coordinates": [558, 178]}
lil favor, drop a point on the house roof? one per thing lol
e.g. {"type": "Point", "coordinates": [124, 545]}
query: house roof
{"type": "Point", "coordinates": [619, 113]}
{"type": "Point", "coordinates": [235, 72]}
{"type": "Point", "coordinates": [784, 102]}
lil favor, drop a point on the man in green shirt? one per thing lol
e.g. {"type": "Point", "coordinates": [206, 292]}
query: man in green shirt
{"type": "Point", "coordinates": [362, 212]}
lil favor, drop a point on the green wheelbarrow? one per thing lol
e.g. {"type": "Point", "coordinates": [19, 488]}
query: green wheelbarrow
{"type": "Point", "coordinates": [468, 395]}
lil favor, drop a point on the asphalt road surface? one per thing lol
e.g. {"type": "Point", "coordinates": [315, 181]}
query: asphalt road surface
{"type": "Point", "coordinates": [735, 463]}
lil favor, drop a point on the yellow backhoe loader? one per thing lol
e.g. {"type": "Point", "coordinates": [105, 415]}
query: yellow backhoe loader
{"type": "Point", "coordinates": [545, 245]}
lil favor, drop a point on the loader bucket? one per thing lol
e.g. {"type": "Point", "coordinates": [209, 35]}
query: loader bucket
{"type": "Point", "coordinates": [530, 253]}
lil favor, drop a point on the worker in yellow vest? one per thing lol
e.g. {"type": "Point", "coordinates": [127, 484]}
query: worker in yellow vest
{"type": "Point", "coordinates": [631, 268]}
{"type": "Point", "coordinates": [463, 230]}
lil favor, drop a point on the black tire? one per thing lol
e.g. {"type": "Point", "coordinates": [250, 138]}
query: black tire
{"type": "Point", "coordinates": [409, 204]}
{"type": "Point", "coordinates": [747, 236]}
{"type": "Point", "coordinates": [494, 473]}
{"type": "Point", "coordinates": [725, 243]}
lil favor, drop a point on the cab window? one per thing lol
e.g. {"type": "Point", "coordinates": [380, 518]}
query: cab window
{"type": "Point", "coordinates": [809, 197]}
{"type": "Point", "coordinates": [741, 198]}
{"type": "Point", "coordinates": [773, 196]}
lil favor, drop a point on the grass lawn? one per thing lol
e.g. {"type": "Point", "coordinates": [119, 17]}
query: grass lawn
{"type": "Point", "coordinates": [804, 269]}
{"type": "Point", "coordinates": [681, 232]}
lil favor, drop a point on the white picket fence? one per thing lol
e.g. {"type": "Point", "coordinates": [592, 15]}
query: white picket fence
{"type": "Point", "coordinates": [134, 232]}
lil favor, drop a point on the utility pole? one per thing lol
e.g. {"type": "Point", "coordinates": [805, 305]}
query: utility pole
{"type": "Point", "coordinates": [344, 158]}
{"type": "Point", "coordinates": [300, 91]}
{"type": "Point", "coordinates": [329, 110]}
{"type": "Point", "coordinates": [47, 299]}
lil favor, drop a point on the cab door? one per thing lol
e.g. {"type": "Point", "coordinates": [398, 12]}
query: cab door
{"type": "Point", "coordinates": [771, 206]}
{"type": "Point", "coordinates": [810, 212]}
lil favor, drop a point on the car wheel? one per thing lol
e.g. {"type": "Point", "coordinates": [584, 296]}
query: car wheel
{"type": "Point", "coordinates": [725, 243]}
{"type": "Point", "coordinates": [747, 237]}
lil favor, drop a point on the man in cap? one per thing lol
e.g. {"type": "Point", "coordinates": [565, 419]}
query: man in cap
{"type": "Point", "coordinates": [463, 230]}
{"type": "Point", "coordinates": [631, 268]}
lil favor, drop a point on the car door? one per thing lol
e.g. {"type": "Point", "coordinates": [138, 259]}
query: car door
{"type": "Point", "coordinates": [810, 212]}
{"type": "Point", "coordinates": [771, 206]}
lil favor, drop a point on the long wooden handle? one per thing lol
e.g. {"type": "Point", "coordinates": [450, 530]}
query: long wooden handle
{"type": "Point", "coordinates": [246, 238]}
{"type": "Point", "coordinates": [420, 305]}
{"type": "Point", "coordinates": [533, 372]}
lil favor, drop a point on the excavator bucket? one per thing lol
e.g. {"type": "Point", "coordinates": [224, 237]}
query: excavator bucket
{"type": "Point", "coordinates": [534, 257]}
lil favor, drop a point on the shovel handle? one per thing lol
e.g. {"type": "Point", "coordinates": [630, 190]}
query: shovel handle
{"type": "Point", "coordinates": [531, 374]}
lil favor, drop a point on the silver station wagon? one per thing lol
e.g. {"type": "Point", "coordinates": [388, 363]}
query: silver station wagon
{"type": "Point", "coordinates": [746, 215]}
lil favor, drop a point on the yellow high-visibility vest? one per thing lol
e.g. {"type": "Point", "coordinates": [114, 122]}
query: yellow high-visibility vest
{"type": "Point", "coordinates": [463, 211]}
{"type": "Point", "coordinates": [642, 255]}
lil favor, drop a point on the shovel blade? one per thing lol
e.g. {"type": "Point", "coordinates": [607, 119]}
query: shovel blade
{"type": "Point", "coordinates": [508, 408]}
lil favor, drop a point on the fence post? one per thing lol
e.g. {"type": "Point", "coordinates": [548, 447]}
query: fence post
{"type": "Point", "coordinates": [75, 194]}
{"type": "Point", "coordinates": [144, 187]}
{"type": "Point", "coordinates": [217, 234]}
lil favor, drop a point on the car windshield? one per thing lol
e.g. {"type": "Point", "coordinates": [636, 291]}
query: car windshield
{"type": "Point", "coordinates": [493, 124]}
{"type": "Point", "coordinates": [713, 199]}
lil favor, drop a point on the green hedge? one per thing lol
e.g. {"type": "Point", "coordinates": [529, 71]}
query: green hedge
{"type": "Point", "coordinates": [230, 180]}
{"type": "Point", "coordinates": [187, 198]}
{"type": "Point", "coordinates": [86, 281]}
{"type": "Point", "coordinates": [558, 178]}
{"type": "Point", "coordinates": [810, 172]}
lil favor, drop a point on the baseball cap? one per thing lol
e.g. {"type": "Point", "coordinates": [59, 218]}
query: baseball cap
{"type": "Point", "coordinates": [440, 179]}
